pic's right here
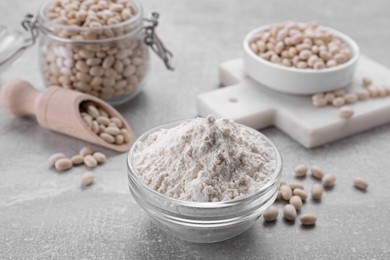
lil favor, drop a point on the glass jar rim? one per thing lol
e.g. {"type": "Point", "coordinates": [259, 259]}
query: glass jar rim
{"type": "Point", "coordinates": [194, 204]}
{"type": "Point", "coordinates": [45, 23]}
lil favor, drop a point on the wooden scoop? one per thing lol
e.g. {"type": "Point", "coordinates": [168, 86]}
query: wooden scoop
{"type": "Point", "coordinates": [58, 109]}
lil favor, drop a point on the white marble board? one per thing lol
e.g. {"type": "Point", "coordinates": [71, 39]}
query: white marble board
{"type": "Point", "coordinates": [250, 103]}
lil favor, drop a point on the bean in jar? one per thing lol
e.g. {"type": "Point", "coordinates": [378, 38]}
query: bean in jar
{"type": "Point", "coordinates": [97, 47]}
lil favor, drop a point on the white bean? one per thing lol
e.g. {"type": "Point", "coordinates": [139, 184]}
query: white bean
{"type": "Point", "coordinates": [87, 179]}
{"type": "Point", "coordinates": [289, 212]}
{"type": "Point", "coordinates": [63, 164]}
{"type": "Point", "coordinates": [308, 219]}
{"type": "Point", "coordinates": [55, 157]}
{"type": "Point", "coordinates": [360, 183]}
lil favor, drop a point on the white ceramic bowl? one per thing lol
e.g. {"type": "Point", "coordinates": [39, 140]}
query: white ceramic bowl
{"type": "Point", "coordinates": [300, 81]}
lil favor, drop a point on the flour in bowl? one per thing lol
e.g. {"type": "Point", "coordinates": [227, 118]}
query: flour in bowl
{"type": "Point", "coordinates": [205, 160]}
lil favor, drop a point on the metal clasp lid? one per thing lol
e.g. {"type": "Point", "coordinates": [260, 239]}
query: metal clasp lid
{"type": "Point", "coordinates": [155, 43]}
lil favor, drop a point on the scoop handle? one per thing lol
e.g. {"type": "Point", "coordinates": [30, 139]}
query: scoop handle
{"type": "Point", "coordinates": [18, 97]}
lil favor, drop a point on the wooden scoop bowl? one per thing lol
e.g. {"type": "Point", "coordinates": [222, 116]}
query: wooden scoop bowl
{"type": "Point", "coordinates": [58, 109]}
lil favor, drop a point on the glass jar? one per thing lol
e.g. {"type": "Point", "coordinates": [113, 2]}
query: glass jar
{"type": "Point", "coordinates": [107, 61]}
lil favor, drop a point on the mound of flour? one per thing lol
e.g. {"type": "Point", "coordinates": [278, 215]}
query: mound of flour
{"type": "Point", "coordinates": [205, 160]}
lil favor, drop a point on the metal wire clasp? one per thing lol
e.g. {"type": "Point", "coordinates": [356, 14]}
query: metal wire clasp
{"type": "Point", "coordinates": [152, 40]}
{"type": "Point", "coordinates": [29, 24]}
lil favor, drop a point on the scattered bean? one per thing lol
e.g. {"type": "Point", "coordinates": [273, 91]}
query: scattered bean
{"type": "Point", "coordinates": [90, 161]}
{"type": "Point", "coordinates": [316, 172]}
{"type": "Point", "coordinates": [301, 193]}
{"type": "Point", "coordinates": [296, 201]}
{"type": "Point", "coordinates": [77, 159]}
{"type": "Point", "coordinates": [363, 94]}
{"type": "Point", "coordinates": [63, 164]}
{"type": "Point", "coordinates": [289, 212]}
{"type": "Point", "coordinates": [360, 183]}
{"type": "Point", "coordinates": [270, 214]}
{"type": "Point", "coordinates": [285, 192]}
{"type": "Point", "coordinates": [86, 150]}
{"type": "Point", "coordinates": [316, 191]}
{"type": "Point", "coordinates": [100, 157]}
{"type": "Point", "coordinates": [55, 157]}
{"type": "Point", "coordinates": [346, 112]}
{"type": "Point", "coordinates": [87, 179]}
{"type": "Point", "coordinates": [328, 180]}
{"type": "Point", "coordinates": [300, 171]}
{"type": "Point", "coordinates": [308, 219]}
{"type": "Point", "coordinates": [338, 102]}
{"type": "Point", "coordinates": [295, 185]}
{"type": "Point", "coordinates": [366, 82]}
{"type": "Point", "coordinates": [350, 98]}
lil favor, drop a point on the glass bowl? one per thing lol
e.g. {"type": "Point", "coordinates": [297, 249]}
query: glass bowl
{"type": "Point", "coordinates": [202, 222]}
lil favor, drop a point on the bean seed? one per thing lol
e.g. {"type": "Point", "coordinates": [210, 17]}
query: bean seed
{"type": "Point", "coordinates": [116, 121]}
{"type": "Point", "coordinates": [346, 112]}
{"type": "Point", "coordinates": [95, 126]}
{"type": "Point", "coordinates": [350, 98]}
{"type": "Point", "coordinates": [270, 214]}
{"type": "Point", "coordinates": [328, 180]}
{"type": "Point", "coordinates": [100, 157]}
{"type": "Point", "coordinates": [363, 94]}
{"type": "Point", "coordinates": [289, 212]}
{"type": "Point", "coordinates": [77, 159]}
{"type": "Point", "coordinates": [82, 66]}
{"type": "Point", "coordinates": [316, 172]}
{"type": "Point", "coordinates": [339, 93]}
{"type": "Point", "coordinates": [366, 82]}
{"type": "Point", "coordinates": [86, 150]}
{"type": "Point", "coordinates": [308, 219]}
{"type": "Point", "coordinates": [338, 102]}
{"type": "Point", "coordinates": [119, 139]}
{"type": "Point", "coordinates": [373, 91]}
{"type": "Point", "coordinates": [87, 179]}
{"type": "Point", "coordinates": [295, 185]}
{"type": "Point", "coordinates": [63, 164]}
{"type": "Point", "coordinates": [103, 120]}
{"type": "Point", "coordinates": [86, 54]}
{"type": "Point", "coordinates": [90, 161]}
{"type": "Point", "coordinates": [112, 130]}
{"type": "Point", "coordinates": [286, 192]}
{"type": "Point", "coordinates": [300, 171]}
{"type": "Point", "coordinates": [296, 201]}
{"type": "Point", "coordinates": [301, 193]}
{"type": "Point", "coordinates": [55, 157]}
{"type": "Point", "coordinates": [107, 137]}
{"type": "Point", "coordinates": [316, 192]}
{"type": "Point", "coordinates": [329, 97]}
{"type": "Point", "coordinates": [93, 61]}
{"type": "Point", "coordinates": [92, 110]}
{"type": "Point", "coordinates": [360, 183]}
{"type": "Point", "coordinates": [319, 102]}
{"type": "Point", "coordinates": [126, 135]}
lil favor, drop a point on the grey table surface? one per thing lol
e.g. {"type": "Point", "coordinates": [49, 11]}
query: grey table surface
{"type": "Point", "coordinates": [45, 215]}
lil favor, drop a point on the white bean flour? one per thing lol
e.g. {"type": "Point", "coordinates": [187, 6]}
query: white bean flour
{"type": "Point", "coordinates": [205, 160]}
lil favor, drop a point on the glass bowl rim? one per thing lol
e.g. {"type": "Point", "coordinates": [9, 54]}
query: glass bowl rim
{"type": "Point", "coordinates": [193, 204]}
